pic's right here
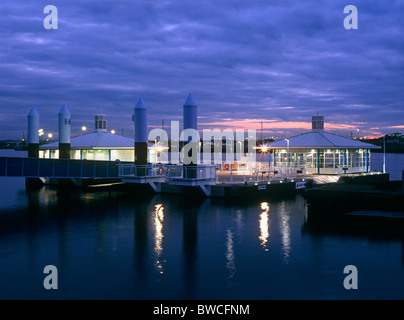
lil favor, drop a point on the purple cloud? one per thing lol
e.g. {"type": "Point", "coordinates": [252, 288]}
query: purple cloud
{"type": "Point", "coordinates": [270, 60]}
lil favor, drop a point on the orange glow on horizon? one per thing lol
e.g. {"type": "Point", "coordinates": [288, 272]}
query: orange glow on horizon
{"type": "Point", "coordinates": [273, 125]}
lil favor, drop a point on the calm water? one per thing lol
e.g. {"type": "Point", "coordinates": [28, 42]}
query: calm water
{"type": "Point", "coordinates": [113, 245]}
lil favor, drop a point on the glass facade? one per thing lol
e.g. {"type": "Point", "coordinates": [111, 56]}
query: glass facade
{"type": "Point", "coordinates": [323, 161]}
{"type": "Point", "coordinates": [102, 154]}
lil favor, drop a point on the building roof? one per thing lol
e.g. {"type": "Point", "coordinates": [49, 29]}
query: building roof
{"type": "Point", "coordinates": [96, 140]}
{"type": "Point", "coordinates": [320, 140]}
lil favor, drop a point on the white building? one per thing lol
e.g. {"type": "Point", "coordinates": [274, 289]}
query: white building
{"type": "Point", "coordinates": [320, 152]}
{"type": "Point", "coordinates": [100, 145]}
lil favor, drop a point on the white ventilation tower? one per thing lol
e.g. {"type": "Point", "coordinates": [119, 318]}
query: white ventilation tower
{"type": "Point", "coordinates": [317, 123]}
{"type": "Point", "coordinates": [101, 123]}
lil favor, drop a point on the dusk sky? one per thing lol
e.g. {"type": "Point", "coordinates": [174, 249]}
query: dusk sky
{"type": "Point", "coordinates": [279, 62]}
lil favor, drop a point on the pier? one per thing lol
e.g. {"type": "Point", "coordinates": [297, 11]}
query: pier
{"type": "Point", "coordinates": [205, 180]}
{"type": "Point", "coordinates": [372, 191]}
{"type": "Point", "coordinates": [372, 205]}
{"type": "Point", "coordinates": [208, 180]}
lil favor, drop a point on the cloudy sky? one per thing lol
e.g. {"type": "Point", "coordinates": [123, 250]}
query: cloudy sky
{"type": "Point", "coordinates": [275, 61]}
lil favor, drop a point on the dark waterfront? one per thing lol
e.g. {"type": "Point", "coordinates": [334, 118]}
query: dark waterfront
{"type": "Point", "coordinates": [114, 245]}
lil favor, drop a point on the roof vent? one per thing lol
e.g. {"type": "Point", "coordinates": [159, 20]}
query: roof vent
{"type": "Point", "coordinates": [100, 123]}
{"type": "Point", "coordinates": [317, 123]}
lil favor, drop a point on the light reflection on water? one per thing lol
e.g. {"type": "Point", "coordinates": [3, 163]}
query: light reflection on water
{"type": "Point", "coordinates": [158, 248]}
{"type": "Point", "coordinates": [285, 231]}
{"type": "Point", "coordinates": [230, 259]}
{"type": "Point", "coordinates": [264, 227]}
{"type": "Point", "coordinates": [112, 245]}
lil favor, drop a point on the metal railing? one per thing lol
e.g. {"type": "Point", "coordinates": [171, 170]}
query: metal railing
{"type": "Point", "coordinates": [169, 172]}
{"type": "Point", "coordinates": [261, 172]}
{"type": "Point", "coordinates": [199, 172]}
{"type": "Point", "coordinates": [132, 170]}
{"type": "Point", "coordinates": [338, 170]}
{"type": "Point", "coordinates": [57, 168]}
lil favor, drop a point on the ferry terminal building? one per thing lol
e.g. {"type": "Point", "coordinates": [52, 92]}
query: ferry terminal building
{"type": "Point", "coordinates": [321, 152]}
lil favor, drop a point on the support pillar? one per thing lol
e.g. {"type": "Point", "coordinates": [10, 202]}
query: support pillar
{"type": "Point", "coordinates": [64, 133]}
{"type": "Point", "coordinates": [141, 147]}
{"type": "Point", "coordinates": [367, 160]}
{"type": "Point", "coordinates": [33, 133]}
{"type": "Point", "coordinates": [190, 117]}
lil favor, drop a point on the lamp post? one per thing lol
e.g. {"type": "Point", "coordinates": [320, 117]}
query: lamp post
{"type": "Point", "coordinates": [41, 133]}
{"type": "Point", "coordinates": [287, 165]}
{"type": "Point", "coordinates": [241, 150]}
{"type": "Point", "coordinates": [384, 154]}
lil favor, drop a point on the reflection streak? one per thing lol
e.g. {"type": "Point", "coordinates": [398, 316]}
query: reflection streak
{"type": "Point", "coordinates": [285, 232]}
{"type": "Point", "coordinates": [264, 225]}
{"type": "Point", "coordinates": [230, 262]}
{"type": "Point", "coordinates": [158, 225]}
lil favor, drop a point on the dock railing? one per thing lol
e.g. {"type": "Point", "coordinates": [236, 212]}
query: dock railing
{"type": "Point", "coordinates": [339, 170]}
{"type": "Point", "coordinates": [170, 172]}
{"type": "Point", "coordinates": [260, 172]}
{"type": "Point", "coordinates": [132, 170]}
{"type": "Point", "coordinates": [199, 172]}
{"type": "Point", "coordinates": [57, 168]}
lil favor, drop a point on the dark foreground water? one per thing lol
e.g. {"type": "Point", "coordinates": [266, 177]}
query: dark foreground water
{"type": "Point", "coordinates": [115, 245]}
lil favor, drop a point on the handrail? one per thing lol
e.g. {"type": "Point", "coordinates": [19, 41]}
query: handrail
{"type": "Point", "coordinates": [169, 172]}
{"type": "Point", "coordinates": [57, 168]}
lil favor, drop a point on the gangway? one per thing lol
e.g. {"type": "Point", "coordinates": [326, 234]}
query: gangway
{"type": "Point", "coordinates": [57, 168]}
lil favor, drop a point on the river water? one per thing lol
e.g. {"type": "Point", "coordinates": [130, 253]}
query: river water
{"type": "Point", "coordinates": [117, 245]}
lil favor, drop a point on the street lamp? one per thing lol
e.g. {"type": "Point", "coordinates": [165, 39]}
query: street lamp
{"type": "Point", "coordinates": [41, 133]}
{"type": "Point", "coordinates": [84, 129]}
{"type": "Point", "coordinates": [287, 170]}
{"type": "Point", "coordinates": [384, 154]}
